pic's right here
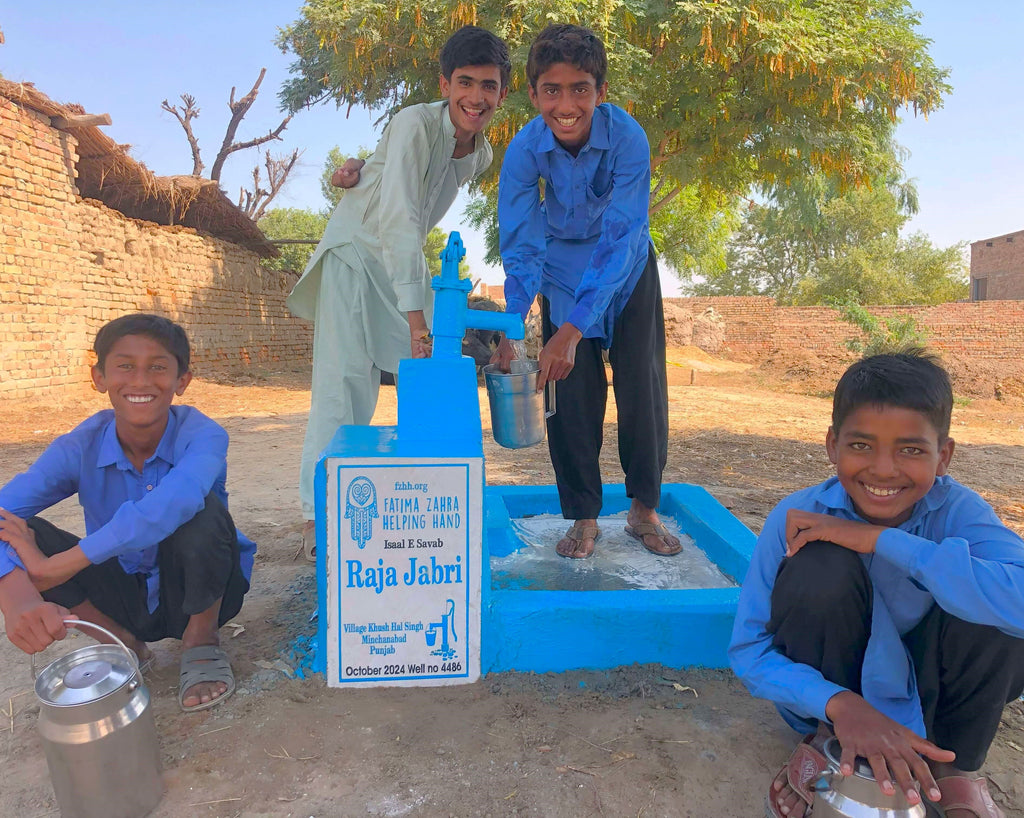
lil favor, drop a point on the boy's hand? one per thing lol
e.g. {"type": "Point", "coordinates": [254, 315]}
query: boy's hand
{"type": "Point", "coordinates": [45, 572]}
{"type": "Point", "coordinates": [420, 341]}
{"type": "Point", "coordinates": [31, 622]}
{"type": "Point", "coordinates": [503, 355]}
{"type": "Point", "coordinates": [889, 747]}
{"type": "Point", "coordinates": [559, 355]}
{"type": "Point", "coordinates": [348, 174]}
{"type": "Point", "coordinates": [803, 527]}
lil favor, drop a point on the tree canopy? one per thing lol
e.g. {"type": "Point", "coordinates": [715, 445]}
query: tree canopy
{"type": "Point", "coordinates": [732, 93]}
{"type": "Point", "coordinates": [810, 244]}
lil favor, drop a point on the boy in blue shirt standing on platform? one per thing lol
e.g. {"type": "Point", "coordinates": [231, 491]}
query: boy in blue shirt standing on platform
{"type": "Point", "coordinates": [886, 605]}
{"type": "Point", "coordinates": [161, 556]}
{"type": "Point", "coordinates": [586, 247]}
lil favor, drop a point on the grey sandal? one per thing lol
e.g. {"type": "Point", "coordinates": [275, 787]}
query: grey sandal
{"type": "Point", "coordinates": [204, 663]}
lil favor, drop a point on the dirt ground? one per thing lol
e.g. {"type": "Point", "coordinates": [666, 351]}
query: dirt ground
{"type": "Point", "coordinates": [622, 743]}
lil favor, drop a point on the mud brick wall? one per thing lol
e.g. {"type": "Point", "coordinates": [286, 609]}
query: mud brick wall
{"type": "Point", "coordinates": [754, 326]}
{"type": "Point", "coordinates": [69, 265]}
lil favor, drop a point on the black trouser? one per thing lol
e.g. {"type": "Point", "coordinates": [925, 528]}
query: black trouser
{"type": "Point", "coordinates": [966, 673]}
{"type": "Point", "coordinates": [575, 431]}
{"type": "Point", "coordinates": [199, 564]}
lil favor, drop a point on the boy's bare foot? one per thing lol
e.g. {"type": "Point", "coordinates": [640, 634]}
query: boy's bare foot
{"type": "Point", "coordinates": [644, 525]}
{"type": "Point", "coordinates": [579, 541]}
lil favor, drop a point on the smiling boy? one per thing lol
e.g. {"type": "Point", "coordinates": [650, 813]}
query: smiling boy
{"type": "Point", "coordinates": [886, 605]}
{"type": "Point", "coordinates": [367, 286]}
{"type": "Point", "coordinates": [586, 248]}
{"type": "Point", "coordinates": [161, 556]}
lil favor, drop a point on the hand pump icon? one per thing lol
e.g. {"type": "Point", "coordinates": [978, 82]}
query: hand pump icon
{"type": "Point", "coordinates": [447, 623]}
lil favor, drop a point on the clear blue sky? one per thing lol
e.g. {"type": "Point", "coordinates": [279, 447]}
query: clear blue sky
{"type": "Point", "coordinates": [124, 58]}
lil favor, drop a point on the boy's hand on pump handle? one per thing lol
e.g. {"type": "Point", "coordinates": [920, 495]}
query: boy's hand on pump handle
{"type": "Point", "coordinates": [420, 341]}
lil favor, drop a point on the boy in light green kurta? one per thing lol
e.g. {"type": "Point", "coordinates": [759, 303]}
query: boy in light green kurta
{"type": "Point", "coordinates": [366, 286]}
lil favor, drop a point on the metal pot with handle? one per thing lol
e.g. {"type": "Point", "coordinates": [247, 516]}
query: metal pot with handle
{"type": "Point", "coordinates": [518, 410]}
{"type": "Point", "coordinates": [857, 795]}
{"type": "Point", "coordinates": [97, 728]}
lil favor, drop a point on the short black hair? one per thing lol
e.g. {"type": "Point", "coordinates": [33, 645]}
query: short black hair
{"type": "Point", "coordinates": [472, 45]}
{"type": "Point", "coordinates": [575, 45]}
{"type": "Point", "coordinates": [913, 379]}
{"type": "Point", "coordinates": [162, 330]}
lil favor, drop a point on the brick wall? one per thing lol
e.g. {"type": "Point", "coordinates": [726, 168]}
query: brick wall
{"type": "Point", "coordinates": [997, 267]}
{"type": "Point", "coordinates": [68, 265]}
{"type": "Point", "coordinates": [754, 326]}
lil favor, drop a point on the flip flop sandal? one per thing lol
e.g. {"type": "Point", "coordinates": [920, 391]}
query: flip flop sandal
{"type": "Point", "coordinates": [309, 543]}
{"type": "Point", "coordinates": [804, 767]}
{"type": "Point", "coordinates": [641, 530]}
{"type": "Point", "coordinates": [963, 792]}
{"type": "Point", "coordinates": [578, 533]}
{"type": "Point", "coordinates": [205, 663]}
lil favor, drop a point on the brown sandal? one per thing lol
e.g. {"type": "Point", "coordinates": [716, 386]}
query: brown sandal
{"type": "Point", "coordinates": [642, 530]}
{"type": "Point", "coordinates": [571, 544]}
{"type": "Point", "coordinates": [970, 793]}
{"type": "Point", "coordinates": [804, 767]}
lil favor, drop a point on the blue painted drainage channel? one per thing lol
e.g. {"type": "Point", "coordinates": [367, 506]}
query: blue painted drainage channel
{"type": "Point", "coordinates": [542, 629]}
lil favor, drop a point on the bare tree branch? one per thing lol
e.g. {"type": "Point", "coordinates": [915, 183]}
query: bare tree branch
{"type": "Point", "coordinates": [254, 203]}
{"type": "Point", "coordinates": [238, 111]}
{"type": "Point", "coordinates": [185, 118]}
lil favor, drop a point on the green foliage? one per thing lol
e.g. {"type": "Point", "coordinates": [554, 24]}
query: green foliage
{"type": "Point", "coordinates": [732, 93]}
{"type": "Point", "coordinates": [809, 243]}
{"type": "Point", "coordinates": [292, 223]}
{"type": "Point", "coordinates": [895, 334]}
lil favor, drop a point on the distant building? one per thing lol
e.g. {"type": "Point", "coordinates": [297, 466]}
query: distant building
{"type": "Point", "coordinates": [997, 268]}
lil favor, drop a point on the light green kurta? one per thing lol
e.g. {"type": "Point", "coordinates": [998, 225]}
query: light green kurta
{"type": "Point", "coordinates": [368, 270]}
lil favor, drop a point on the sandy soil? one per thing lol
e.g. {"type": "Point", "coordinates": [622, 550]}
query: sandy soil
{"type": "Point", "coordinates": [621, 743]}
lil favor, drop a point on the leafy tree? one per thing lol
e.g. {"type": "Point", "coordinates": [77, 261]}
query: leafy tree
{"type": "Point", "coordinates": [883, 335]}
{"type": "Point", "coordinates": [810, 244]}
{"type": "Point", "coordinates": [294, 224]}
{"type": "Point", "coordinates": [732, 93]}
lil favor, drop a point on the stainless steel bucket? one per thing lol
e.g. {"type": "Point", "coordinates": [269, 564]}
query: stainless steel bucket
{"type": "Point", "coordinates": [98, 732]}
{"type": "Point", "coordinates": [857, 795]}
{"type": "Point", "coordinates": [518, 410]}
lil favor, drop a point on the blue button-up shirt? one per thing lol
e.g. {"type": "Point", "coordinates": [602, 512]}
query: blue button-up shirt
{"type": "Point", "coordinates": [953, 551]}
{"type": "Point", "coordinates": [127, 512]}
{"type": "Point", "coordinates": [585, 244]}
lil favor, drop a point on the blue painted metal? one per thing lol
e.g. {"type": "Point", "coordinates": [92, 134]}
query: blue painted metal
{"type": "Point", "coordinates": [544, 630]}
{"type": "Point", "coordinates": [452, 315]}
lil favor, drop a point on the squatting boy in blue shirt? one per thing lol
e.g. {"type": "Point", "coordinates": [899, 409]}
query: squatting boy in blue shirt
{"type": "Point", "coordinates": [886, 605]}
{"type": "Point", "coordinates": [161, 556]}
{"type": "Point", "coordinates": [585, 246]}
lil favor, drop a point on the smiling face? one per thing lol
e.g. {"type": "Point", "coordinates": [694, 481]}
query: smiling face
{"type": "Point", "coordinates": [474, 93]}
{"type": "Point", "coordinates": [566, 98]}
{"type": "Point", "coordinates": [887, 458]}
{"type": "Point", "coordinates": [141, 378]}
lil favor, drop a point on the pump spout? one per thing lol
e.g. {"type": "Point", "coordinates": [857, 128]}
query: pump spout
{"type": "Point", "coordinates": [451, 311]}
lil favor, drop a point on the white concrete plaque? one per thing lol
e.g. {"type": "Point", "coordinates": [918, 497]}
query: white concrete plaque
{"type": "Point", "coordinates": [404, 571]}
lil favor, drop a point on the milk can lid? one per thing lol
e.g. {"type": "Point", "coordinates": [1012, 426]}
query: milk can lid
{"type": "Point", "coordinates": [84, 675]}
{"type": "Point", "coordinates": [861, 767]}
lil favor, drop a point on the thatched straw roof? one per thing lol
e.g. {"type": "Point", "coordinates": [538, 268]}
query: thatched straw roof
{"type": "Point", "coordinates": [106, 172]}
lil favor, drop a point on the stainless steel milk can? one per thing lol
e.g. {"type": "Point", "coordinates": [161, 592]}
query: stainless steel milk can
{"type": "Point", "coordinates": [98, 732]}
{"type": "Point", "coordinates": [857, 795]}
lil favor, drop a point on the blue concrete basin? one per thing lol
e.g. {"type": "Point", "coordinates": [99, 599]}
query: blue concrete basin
{"type": "Point", "coordinates": [547, 629]}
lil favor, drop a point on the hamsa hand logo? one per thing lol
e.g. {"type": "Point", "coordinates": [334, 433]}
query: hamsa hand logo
{"type": "Point", "coordinates": [361, 508]}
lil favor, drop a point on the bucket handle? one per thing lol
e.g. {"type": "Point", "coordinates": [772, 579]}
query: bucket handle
{"type": "Point", "coordinates": [549, 399]}
{"type": "Point", "coordinates": [79, 623]}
